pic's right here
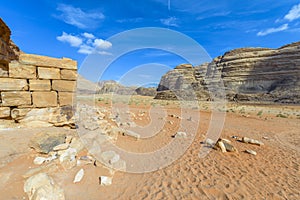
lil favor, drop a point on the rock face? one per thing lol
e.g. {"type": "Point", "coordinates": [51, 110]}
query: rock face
{"type": "Point", "coordinates": [8, 51]}
{"type": "Point", "coordinates": [248, 74]}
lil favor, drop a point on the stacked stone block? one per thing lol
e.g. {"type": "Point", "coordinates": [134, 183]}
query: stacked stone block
{"type": "Point", "coordinates": [36, 81]}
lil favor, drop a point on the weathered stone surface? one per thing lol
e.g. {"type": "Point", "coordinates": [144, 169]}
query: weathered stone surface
{"type": "Point", "coordinates": [41, 186]}
{"type": "Point", "coordinates": [45, 142]}
{"type": "Point", "coordinates": [19, 113]}
{"type": "Point", "coordinates": [64, 86]}
{"type": "Point", "coordinates": [4, 112]}
{"type": "Point", "coordinates": [44, 99]}
{"type": "Point", "coordinates": [39, 85]}
{"type": "Point", "coordinates": [8, 50]}
{"type": "Point", "coordinates": [68, 74]}
{"type": "Point", "coordinates": [17, 70]}
{"type": "Point", "coordinates": [48, 73]}
{"type": "Point", "coordinates": [45, 61]}
{"type": "Point", "coordinates": [16, 98]}
{"type": "Point", "coordinates": [9, 84]}
{"type": "Point", "coordinates": [65, 98]}
{"type": "Point", "coordinates": [248, 74]}
{"type": "Point", "coordinates": [3, 69]}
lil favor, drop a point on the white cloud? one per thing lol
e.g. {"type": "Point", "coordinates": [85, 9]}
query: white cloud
{"type": "Point", "coordinates": [85, 49]}
{"type": "Point", "coordinates": [171, 21]}
{"type": "Point", "coordinates": [273, 30]}
{"type": "Point", "coordinates": [105, 53]}
{"type": "Point", "coordinates": [86, 43]}
{"type": "Point", "coordinates": [88, 35]}
{"type": "Point", "coordinates": [74, 41]}
{"type": "Point", "coordinates": [294, 13]}
{"type": "Point", "coordinates": [101, 44]}
{"type": "Point", "coordinates": [79, 18]}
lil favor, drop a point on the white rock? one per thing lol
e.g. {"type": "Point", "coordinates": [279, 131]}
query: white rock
{"type": "Point", "coordinates": [42, 187]}
{"type": "Point", "coordinates": [61, 147]}
{"type": "Point", "coordinates": [39, 160]}
{"type": "Point", "coordinates": [132, 134]}
{"type": "Point", "coordinates": [79, 176]}
{"type": "Point", "coordinates": [180, 135]}
{"type": "Point", "coordinates": [251, 152]}
{"type": "Point", "coordinates": [210, 142]}
{"type": "Point", "coordinates": [104, 180]}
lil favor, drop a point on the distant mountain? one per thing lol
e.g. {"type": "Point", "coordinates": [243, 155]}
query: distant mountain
{"type": "Point", "coordinates": [85, 86]}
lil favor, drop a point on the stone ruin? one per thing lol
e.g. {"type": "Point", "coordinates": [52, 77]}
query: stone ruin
{"type": "Point", "coordinates": [35, 90]}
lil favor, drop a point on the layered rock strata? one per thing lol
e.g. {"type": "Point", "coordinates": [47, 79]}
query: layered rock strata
{"type": "Point", "coordinates": [248, 74]}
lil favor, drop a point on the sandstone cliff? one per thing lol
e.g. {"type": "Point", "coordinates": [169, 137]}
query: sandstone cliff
{"type": "Point", "coordinates": [248, 74]}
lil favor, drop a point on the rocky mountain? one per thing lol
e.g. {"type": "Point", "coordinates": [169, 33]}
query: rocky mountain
{"type": "Point", "coordinates": [115, 87]}
{"type": "Point", "coordinates": [248, 74]}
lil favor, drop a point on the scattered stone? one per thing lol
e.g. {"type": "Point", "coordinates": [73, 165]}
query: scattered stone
{"type": "Point", "coordinates": [265, 138]}
{"type": "Point", "coordinates": [170, 122]}
{"type": "Point", "coordinates": [79, 176]}
{"type": "Point", "coordinates": [41, 186]}
{"type": "Point", "coordinates": [210, 142]}
{"type": "Point", "coordinates": [68, 139]}
{"type": "Point", "coordinates": [44, 142]}
{"type": "Point", "coordinates": [221, 145]}
{"type": "Point", "coordinates": [180, 135]}
{"type": "Point", "coordinates": [61, 147]}
{"type": "Point", "coordinates": [77, 144]}
{"type": "Point", "coordinates": [251, 152]}
{"type": "Point", "coordinates": [104, 180]}
{"type": "Point", "coordinates": [225, 145]}
{"type": "Point", "coordinates": [68, 158]}
{"type": "Point", "coordinates": [39, 160]}
{"type": "Point", "coordinates": [91, 124]}
{"type": "Point", "coordinates": [234, 137]}
{"type": "Point", "coordinates": [110, 157]}
{"type": "Point", "coordinates": [132, 134]}
{"type": "Point", "coordinates": [251, 141]}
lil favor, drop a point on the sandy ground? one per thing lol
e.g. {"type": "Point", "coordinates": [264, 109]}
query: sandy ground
{"type": "Point", "coordinates": [274, 173]}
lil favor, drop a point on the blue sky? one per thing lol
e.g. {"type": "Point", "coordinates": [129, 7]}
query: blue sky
{"type": "Point", "coordinates": [77, 28]}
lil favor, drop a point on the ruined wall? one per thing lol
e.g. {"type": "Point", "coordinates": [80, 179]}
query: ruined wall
{"type": "Point", "coordinates": [35, 82]}
{"type": "Point", "coordinates": [35, 88]}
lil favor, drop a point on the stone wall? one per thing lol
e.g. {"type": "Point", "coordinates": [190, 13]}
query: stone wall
{"type": "Point", "coordinates": [36, 83]}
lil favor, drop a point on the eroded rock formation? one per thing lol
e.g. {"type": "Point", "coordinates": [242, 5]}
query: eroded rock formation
{"type": "Point", "coordinates": [248, 74]}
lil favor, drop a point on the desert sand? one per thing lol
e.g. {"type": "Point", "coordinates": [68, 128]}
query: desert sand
{"type": "Point", "coordinates": [274, 173]}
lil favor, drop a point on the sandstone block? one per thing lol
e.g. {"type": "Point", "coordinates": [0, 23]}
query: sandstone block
{"type": "Point", "coordinates": [44, 99]}
{"type": "Point", "coordinates": [15, 98]}
{"type": "Point", "coordinates": [64, 86]}
{"type": "Point", "coordinates": [4, 112]}
{"type": "Point", "coordinates": [45, 61]}
{"type": "Point", "coordinates": [68, 74]}
{"type": "Point", "coordinates": [19, 113]}
{"type": "Point", "coordinates": [9, 84]}
{"type": "Point", "coordinates": [48, 73]}
{"type": "Point", "coordinates": [39, 85]}
{"type": "Point", "coordinates": [65, 98]}
{"type": "Point", "coordinates": [17, 70]}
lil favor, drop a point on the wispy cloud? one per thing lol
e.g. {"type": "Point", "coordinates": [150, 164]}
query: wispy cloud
{"type": "Point", "coordinates": [72, 40]}
{"type": "Point", "coordinates": [130, 20]}
{"type": "Point", "coordinates": [86, 43]}
{"type": "Point", "coordinates": [79, 18]}
{"type": "Point", "coordinates": [220, 14]}
{"type": "Point", "coordinates": [171, 21]}
{"type": "Point", "coordinates": [294, 13]}
{"type": "Point", "coordinates": [273, 30]}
